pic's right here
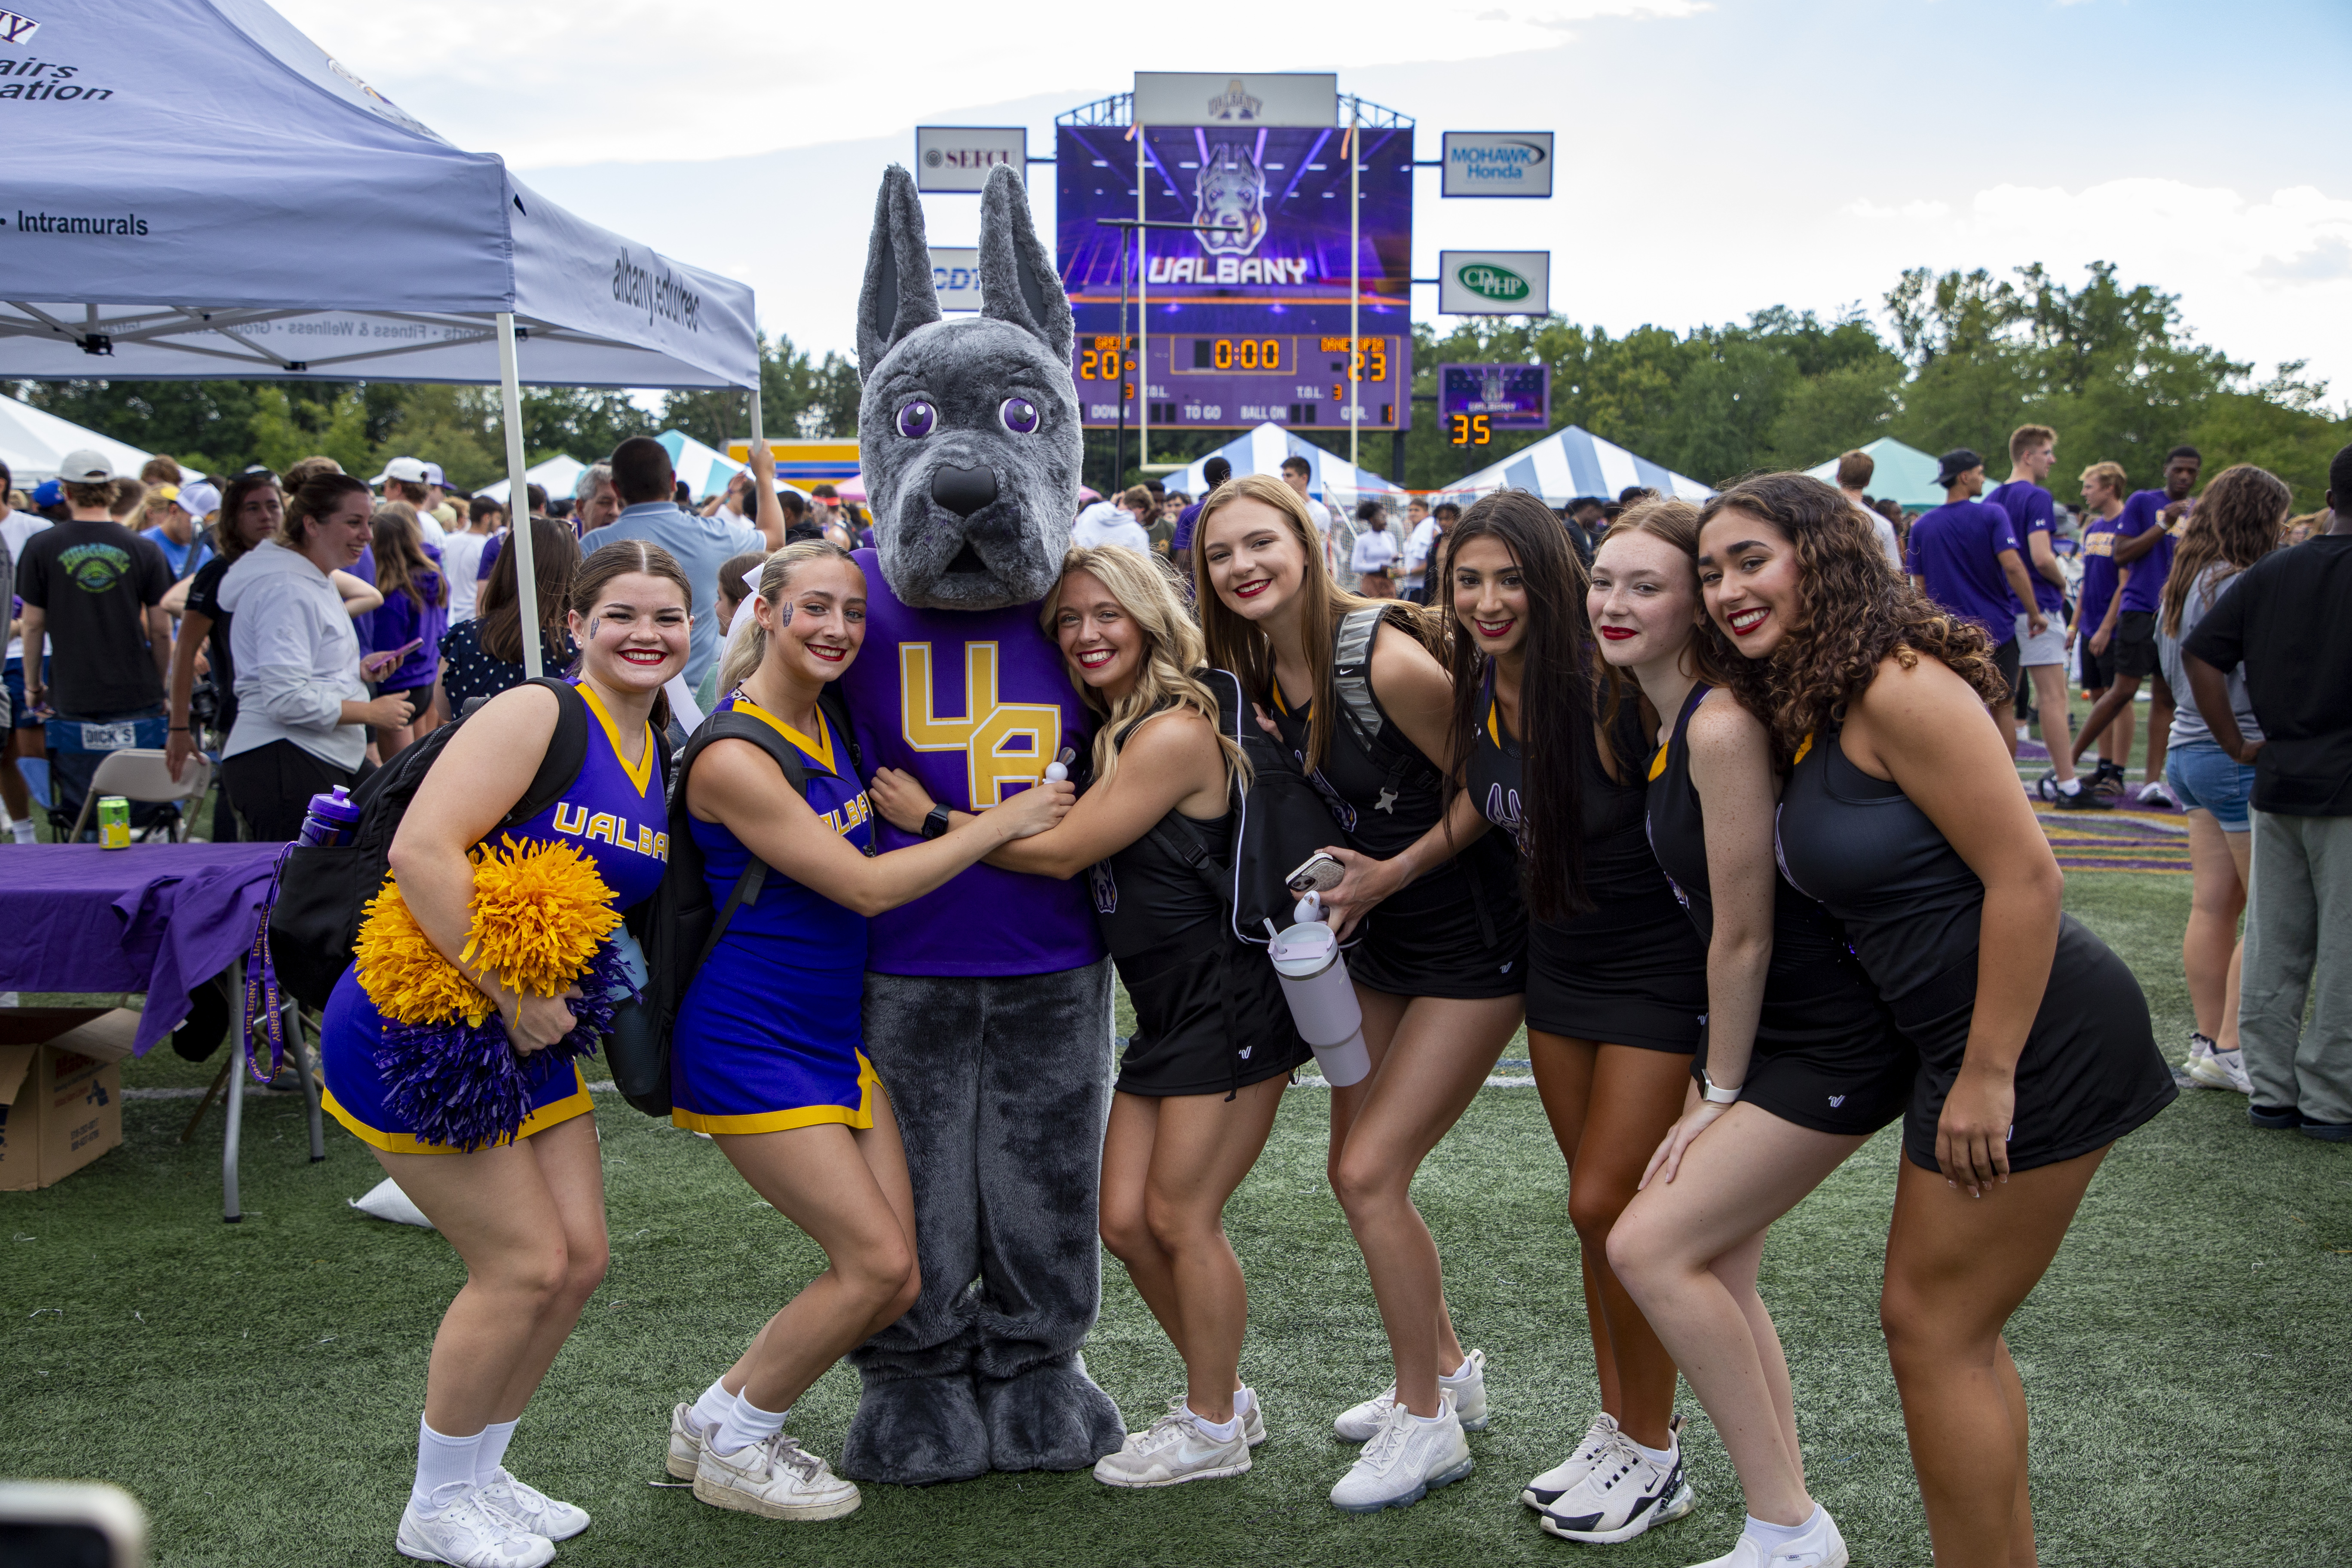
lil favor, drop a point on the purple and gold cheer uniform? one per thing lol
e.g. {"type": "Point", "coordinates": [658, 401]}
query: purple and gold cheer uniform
{"type": "Point", "coordinates": [615, 815]}
{"type": "Point", "coordinates": [769, 1036]}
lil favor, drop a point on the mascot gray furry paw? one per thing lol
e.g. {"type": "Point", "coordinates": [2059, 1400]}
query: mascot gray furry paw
{"type": "Point", "coordinates": [987, 1002]}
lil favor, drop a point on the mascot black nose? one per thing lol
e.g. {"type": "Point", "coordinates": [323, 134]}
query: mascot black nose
{"type": "Point", "coordinates": [964, 490]}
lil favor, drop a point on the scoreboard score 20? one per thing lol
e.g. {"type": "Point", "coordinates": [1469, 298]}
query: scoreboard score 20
{"type": "Point", "coordinates": [1223, 380]}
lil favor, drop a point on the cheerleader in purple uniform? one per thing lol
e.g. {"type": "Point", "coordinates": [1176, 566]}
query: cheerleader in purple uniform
{"type": "Point", "coordinates": [527, 1214]}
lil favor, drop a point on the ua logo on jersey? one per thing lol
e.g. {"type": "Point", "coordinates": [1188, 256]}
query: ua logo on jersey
{"type": "Point", "coordinates": [1004, 744]}
{"type": "Point", "coordinates": [1104, 886]}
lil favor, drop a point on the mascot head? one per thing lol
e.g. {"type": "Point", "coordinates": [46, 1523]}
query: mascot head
{"type": "Point", "coordinates": [967, 430]}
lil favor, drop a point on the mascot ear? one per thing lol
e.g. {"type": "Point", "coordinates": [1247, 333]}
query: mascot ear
{"type": "Point", "coordinates": [897, 296]}
{"type": "Point", "coordinates": [1018, 282]}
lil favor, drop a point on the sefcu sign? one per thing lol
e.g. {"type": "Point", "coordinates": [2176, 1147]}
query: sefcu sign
{"type": "Point", "coordinates": [1497, 162]}
{"type": "Point", "coordinates": [1494, 282]}
{"type": "Point", "coordinates": [959, 157]}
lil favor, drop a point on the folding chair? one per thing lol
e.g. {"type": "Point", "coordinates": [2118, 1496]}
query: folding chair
{"type": "Point", "coordinates": [140, 774]}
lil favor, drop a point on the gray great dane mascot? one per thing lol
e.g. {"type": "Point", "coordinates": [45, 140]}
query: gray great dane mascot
{"type": "Point", "coordinates": [987, 1002]}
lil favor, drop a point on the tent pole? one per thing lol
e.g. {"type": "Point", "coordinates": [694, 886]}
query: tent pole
{"type": "Point", "coordinates": [518, 497]}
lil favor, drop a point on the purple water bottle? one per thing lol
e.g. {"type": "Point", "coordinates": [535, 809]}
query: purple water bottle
{"type": "Point", "coordinates": [331, 819]}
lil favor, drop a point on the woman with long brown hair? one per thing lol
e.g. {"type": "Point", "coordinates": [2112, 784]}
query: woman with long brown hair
{"type": "Point", "coordinates": [1800, 1063]}
{"type": "Point", "coordinates": [1616, 980]}
{"type": "Point", "coordinates": [1356, 693]}
{"type": "Point", "coordinates": [483, 657]}
{"type": "Point", "coordinates": [1902, 814]}
{"type": "Point", "coordinates": [2237, 523]}
{"type": "Point", "coordinates": [406, 630]}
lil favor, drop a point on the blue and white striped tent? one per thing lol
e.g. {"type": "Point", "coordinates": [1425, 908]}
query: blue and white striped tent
{"type": "Point", "coordinates": [1572, 461]}
{"type": "Point", "coordinates": [1262, 450]}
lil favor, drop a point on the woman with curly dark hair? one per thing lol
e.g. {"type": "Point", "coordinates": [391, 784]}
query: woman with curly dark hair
{"type": "Point", "coordinates": [1616, 978]}
{"type": "Point", "coordinates": [1902, 814]}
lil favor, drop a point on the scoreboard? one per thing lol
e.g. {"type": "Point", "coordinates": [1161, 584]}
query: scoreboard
{"type": "Point", "coordinates": [1220, 380]}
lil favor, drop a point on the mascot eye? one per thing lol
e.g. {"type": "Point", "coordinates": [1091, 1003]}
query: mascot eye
{"type": "Point", "coordinates": [916, 419]}
{"type": "Point", "coordinates": [1019, 416]}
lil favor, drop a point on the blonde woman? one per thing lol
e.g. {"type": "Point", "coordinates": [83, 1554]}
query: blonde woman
{"type": "Point", "coordinates": [1214, 1046]}
{"type": "Point", "coordinates": [1356, 690]}
{"type": "Point", "coordinates": [769, 1053]}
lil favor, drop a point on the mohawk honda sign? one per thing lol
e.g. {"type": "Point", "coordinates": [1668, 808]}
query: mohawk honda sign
{"type": "Point", "coordinates": [1497, 162]}
{"type": "Point", "coordinates": [959, 157]}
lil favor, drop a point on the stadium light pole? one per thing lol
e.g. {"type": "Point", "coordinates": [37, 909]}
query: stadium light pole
{"type": "Point", "coordinates": [1354, 144]}
{"type": "Point", "coordinates": [1142, 311]}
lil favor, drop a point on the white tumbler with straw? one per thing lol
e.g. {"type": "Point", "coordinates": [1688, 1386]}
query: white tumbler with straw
{"type": "Point", "coordinates": [1322, 999]}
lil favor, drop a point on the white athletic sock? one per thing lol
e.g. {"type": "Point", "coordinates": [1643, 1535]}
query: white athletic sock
{"type": "Point", "coordinates": [1456, 1374]}
{"type": "Point", "coordinates": [1245, 1400]}
{"type": "Point", "coordinates": [746, 1423]}
{"type": "Point", "coordinates": [2070, 786]}
{"type": "Point", "coordinates": [1429, 1420]}
{"type": "Point", "coordinates": [1662, 1457]}
{"type": "Point", "coordinates": [493, 1451]}
{"type": "Point", "coordinates": [1223, 1431]}
{"type": "Point", "coordinates": [714, 1404]}
{"type": "Point", "coordinates": [1771, 1535]}
{"type": "Point", "coordinates": [23, 829]}
{"type": "Point", "coordinates": [442, 1462]}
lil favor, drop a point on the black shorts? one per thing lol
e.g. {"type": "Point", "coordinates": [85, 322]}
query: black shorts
{"type": "Point", "coordinates": [2090, 1071]}
{"type": "Point", "coordinates": [1461, 931]}
{"type": "Point", "coordinates": [1210, 1018]}
{"type": "Point", "coordinates": [2005, 659]}
{"type": "Point", "coordinates": [1828, 1055]}
{"type": "Point", "coordinates": [2134, 648]}
{"type": "Point", "coordinates": [1631, 972]}
{"type": "Point", "coordinates": [2097, 669]}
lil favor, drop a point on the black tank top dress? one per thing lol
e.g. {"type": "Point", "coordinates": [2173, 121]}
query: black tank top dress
{"type": "Point", "coordinates": [1827, 1054]}
{"type": "Point", "coordinates": [1631, 971]}
{"type": "Point", "coordinates": [1210, 1015]}
{"type": "Point", "coordinates": [2090, 1071]}
{"type": "Point", "coordinates": [1462, 929]}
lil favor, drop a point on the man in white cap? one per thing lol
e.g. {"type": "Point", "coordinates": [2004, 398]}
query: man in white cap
{"type": "Point", "coordinates": [408, 479]}
{"type": "Point", "coordinates": [96, 590]}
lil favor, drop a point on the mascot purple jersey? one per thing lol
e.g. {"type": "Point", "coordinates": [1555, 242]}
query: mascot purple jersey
{"type": "Point", "coordinates": [974, 704]}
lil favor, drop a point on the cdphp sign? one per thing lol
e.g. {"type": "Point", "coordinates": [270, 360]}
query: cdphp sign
{"type": "Point", "coordinates": [1494, 282]}
{"type": "Point", "coordinates": [959, 157]}
{"type": "Point", "coordinates": [1497, 162]}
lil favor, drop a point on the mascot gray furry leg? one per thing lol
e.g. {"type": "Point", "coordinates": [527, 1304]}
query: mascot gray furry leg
{"type": "Point", "coordinates": [988, 1375]}
{"type": "Point", "coordinates": [1000, 1074]}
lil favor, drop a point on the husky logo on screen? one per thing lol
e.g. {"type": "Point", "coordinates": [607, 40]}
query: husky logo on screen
{"type": "Point", "coordinates": [1229, 200]}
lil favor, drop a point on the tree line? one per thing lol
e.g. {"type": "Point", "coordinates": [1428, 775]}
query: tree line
{"type": "Point", "coordinates": [1970, 357]}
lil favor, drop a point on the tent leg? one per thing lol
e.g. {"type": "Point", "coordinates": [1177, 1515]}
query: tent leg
{"type": "Point", "coordinates": [519, 537]}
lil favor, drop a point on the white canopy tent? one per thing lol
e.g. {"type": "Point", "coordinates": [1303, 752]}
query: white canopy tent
{"type": "Point", "coordinates": [32, 440]}
{"type": "Point", "coordinates": [557, 476]}
{"type": "Point", "coordinates": [201, 193]}
{"type": "Point", "coordinates": [1572, 461]}
{"type": "Point", "coordinates": [1262, 450]}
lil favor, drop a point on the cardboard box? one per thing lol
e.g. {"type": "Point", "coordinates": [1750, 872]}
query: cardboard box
{"type": "Point", "coordinates": [61, 1093]}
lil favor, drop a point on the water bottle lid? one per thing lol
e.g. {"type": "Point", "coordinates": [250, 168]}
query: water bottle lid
{"type": "Point", "coordinates": [1304, 951]}
{"type": "Point", "coordinates": [335, 804]}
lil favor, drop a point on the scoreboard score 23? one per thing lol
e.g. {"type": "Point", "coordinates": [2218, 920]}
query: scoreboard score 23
{"type": "Point", "coordinates": [1229, 380]}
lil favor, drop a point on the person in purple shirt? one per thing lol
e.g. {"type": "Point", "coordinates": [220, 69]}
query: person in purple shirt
{"type": "Point", "coordinates": [2105, 484]}
{"type": "Point", "coordinates": [2144, 533]}
{"type": "Point", "coordinates": [1964, 556]}
{"type": "Point", "coordinates": [2041, 656]}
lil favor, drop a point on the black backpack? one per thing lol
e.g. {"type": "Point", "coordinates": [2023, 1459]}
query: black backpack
{"type": "Point", "coordinates": [678, 926]}
{"type": "Point", "coordinates": [323, 890]}
{"type": "Point", "coordinates": [1279, 820]}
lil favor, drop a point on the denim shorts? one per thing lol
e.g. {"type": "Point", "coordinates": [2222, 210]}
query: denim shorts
{"type": "Point", "coordinates": [21, 717]}
{"type": "Point", "coordinates": [2207, 778]}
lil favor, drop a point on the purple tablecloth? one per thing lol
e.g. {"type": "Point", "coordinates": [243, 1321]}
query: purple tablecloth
{"type": "Point", "coordinates": [158, 918]}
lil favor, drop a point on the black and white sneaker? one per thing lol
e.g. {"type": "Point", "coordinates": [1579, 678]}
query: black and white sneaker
{"type": "Point", "coordinates": [1623, 1495]}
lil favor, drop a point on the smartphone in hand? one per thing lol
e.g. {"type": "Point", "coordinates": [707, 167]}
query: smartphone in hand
{"type": "Point", "coordinates": [381, 664]}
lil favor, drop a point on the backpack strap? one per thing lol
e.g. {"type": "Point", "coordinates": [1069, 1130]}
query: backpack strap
{"type": "Point", "coordinates": [834, 706]}
{"type": "Point", "coordinates": [567, 752]}
{"type": "Point", "coordinates": [1351, 673]}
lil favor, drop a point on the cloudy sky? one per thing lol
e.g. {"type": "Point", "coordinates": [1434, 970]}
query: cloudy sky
{"type": "Point", "coordinates": [1717, 156]}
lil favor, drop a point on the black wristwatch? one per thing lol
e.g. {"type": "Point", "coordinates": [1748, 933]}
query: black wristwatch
{"type": "Point", "coordinates": [937, 823]}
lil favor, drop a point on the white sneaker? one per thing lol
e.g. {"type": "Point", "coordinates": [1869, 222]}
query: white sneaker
{"type": "Point", "coordinates": [685, 1444]}
{"type": "Point", "coordinates": [1619, 1495]}
{"type": "Point", "coordinates": [2215, 1069]}
{"type": "Point", "coordinates": [1254, 1424]}
{"type": "Point", "coordinates": [465, 1534]}
{"type": "Point", "coordinates": [529, 1508]}
{"type": "Point", "coordinates": [1542, 1491]}
{"type": "Point", "coordinates": [1172, 1451]}
{"type": "Point", "coordinates": [1820, 1547]}
{"type": "Point", "coordinates": [2157, 793]}
{"type": "Point", "coordinates": [1467, 1383]}
{"type": "Point", "coordinates": [1405, 1459]}
{"type": "Point", "coordinates": [777, 1478]}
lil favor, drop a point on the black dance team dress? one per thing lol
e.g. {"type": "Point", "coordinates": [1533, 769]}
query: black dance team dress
{"type": "Point", "coordinates": [2090, 1071]}
{"type": "Point", "coordinates": [1827, 1054]}
{"type": "Point", "coordinates": [1630, 971]}
{"type": "Point", "coordinates": [1461, 930]}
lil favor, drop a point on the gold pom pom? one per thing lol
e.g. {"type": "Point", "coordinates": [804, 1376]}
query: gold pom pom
{"type": "Point", "coordinates": [404, 973]}
{"type": "Point", "coordinates": [540, 911]}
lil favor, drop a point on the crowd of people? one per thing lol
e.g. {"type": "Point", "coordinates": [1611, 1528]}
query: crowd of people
{"type": "Point", "coordinates": [1720, 801]}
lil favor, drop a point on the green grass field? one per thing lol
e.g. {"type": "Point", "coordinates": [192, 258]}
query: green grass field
{"type": "Point", "coordinates": [257, 1385]}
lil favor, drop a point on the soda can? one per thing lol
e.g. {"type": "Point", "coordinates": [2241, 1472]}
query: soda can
{"type": "Point", "coordinates": [114, 822]}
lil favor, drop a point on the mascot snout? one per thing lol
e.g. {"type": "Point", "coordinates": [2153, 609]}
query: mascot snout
{"type": "Point", "coordinates": [964, 490]}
